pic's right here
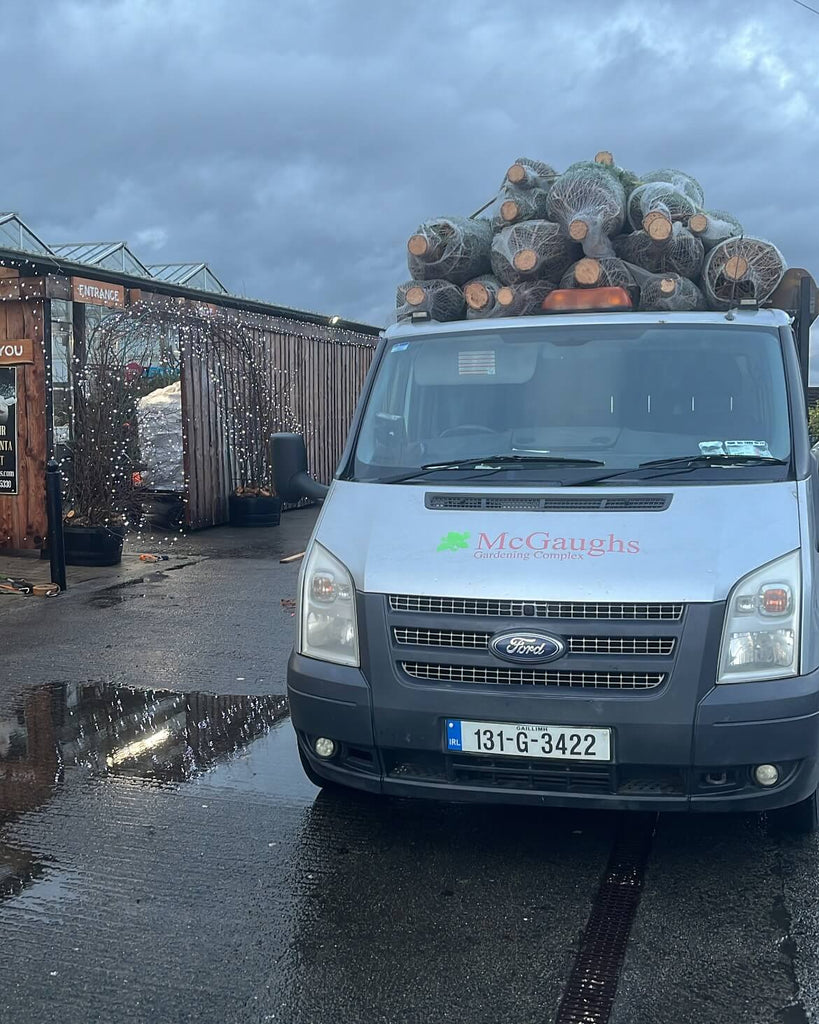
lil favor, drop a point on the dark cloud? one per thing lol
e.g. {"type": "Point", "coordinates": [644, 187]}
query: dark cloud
{"type": "Point", "coordinates": [295, 146]}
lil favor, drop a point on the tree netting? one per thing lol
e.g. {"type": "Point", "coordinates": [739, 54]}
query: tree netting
{"type": "Point", "coordinates": [713, 227]}
{"type": "Point", "coordinates": [606, 272]}
{"type": "Point", "coordinates": [520, 204]}
{"type": "Point", "coordinates": [442, 300]}
{"type": "Point", "coordinates": [525, 173]}
{"type": "Point", "coordinates": [741, 268]}
{"type": "Point", "coordinates": [522, 299]}
{"type": "Point", "coordinates": [681, 253]}
{"type": "Point", "coordinates": [588, 201]}
{"type": "Point", "coordinates": [681, 181]}
{"type": "Point", "coordinates": [671, 293]}
{"type": "Point", "coordinates": [531, 250]}
{"type": "Point", "coordinates": [452, 248]}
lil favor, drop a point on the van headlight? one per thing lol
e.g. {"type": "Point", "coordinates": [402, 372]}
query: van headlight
{"type": "Point", "coordinates": [760, 639]}
{"type": "Point", "coordinates": [327, 617]}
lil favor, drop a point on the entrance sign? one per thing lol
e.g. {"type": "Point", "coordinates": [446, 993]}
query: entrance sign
{"type": "Point", "coordinates": [97, 293]}
{"type": "Point", "coordinates": [8, 430]}
{"type": "Point", "coordinates": [15, 352]}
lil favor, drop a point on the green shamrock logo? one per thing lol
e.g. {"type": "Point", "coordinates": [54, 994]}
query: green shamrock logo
{"type": "Point", "coordinates": [454, 542]}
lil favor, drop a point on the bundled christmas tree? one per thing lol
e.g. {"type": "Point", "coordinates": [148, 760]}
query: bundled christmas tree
{"type": "Point", "coordinates": [595, 225]}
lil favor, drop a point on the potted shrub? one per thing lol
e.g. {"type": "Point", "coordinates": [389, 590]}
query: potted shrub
{"type": "Point", "coordinates": [100, 458]}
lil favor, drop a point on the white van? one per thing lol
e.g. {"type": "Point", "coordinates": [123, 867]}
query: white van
{"type": "Point", "coordinates": [569, 560]}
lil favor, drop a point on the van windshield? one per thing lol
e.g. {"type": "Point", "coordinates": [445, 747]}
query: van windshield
{"type": "Point", "coordinates": [618, 395]}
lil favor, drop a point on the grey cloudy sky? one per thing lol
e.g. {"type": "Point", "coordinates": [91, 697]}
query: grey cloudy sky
{"type": "Point", "coordinates": [294, 146]}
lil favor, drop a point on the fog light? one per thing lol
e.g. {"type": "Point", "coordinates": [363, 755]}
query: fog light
{"type": "Point", "coordinates": [326, 748]}
{"type": "Point", "coordinates": [766, 774]}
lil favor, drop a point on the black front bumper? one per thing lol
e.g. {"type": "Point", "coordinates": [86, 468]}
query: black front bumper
{"type": "Point", "coordinates": [661, 762]}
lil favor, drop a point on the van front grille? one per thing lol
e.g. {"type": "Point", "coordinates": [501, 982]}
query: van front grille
{"type": "Point", "coordinates": [651, 646]}
{"type": "Point", "coordinates": [547, 502]}
{"type": "Point", "coordinates": [610, 611]}
{"type": "Point", "coordinates": [533, 677]}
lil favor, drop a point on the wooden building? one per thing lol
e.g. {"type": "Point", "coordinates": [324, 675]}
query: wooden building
{"type": "Point", "coordinates": [52, 297]}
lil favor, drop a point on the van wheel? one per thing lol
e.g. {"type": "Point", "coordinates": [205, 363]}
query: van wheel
{"type": "Point", "coordinates": [311, 774]}
{"type": "Point", "coordinates": [800, 819]}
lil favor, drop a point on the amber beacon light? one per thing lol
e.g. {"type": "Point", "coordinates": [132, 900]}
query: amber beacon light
{"type": "Point", "coordinates": [576, 300]}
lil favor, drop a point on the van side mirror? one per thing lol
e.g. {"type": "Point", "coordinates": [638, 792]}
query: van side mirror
{"type": "Point", "coordinates": [290, 476]}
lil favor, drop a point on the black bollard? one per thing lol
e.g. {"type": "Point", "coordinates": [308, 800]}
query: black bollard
{"type": "Point", "coordinates": [56, 540]}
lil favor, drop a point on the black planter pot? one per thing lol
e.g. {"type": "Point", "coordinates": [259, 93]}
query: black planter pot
{"type": "Point", "coordinates": [250, 510]}
{"type": "Point", "coordinates": [93, 545]}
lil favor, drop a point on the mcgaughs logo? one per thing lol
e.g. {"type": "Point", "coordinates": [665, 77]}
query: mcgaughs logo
{"type": "Point", "coordinates": [454, 542]}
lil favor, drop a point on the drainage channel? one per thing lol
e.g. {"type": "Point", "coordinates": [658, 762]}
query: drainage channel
{"type": "Point", "coordinates": [592, 986]}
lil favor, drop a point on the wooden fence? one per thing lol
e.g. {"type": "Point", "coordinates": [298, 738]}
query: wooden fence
{"type": "Point", "coordinates": [245, 378]}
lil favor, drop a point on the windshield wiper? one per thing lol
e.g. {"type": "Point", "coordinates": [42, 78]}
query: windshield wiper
{"type": "Point", "coordinates": [492, 463]}
{"type": "Point", "coordinates": [684, 464]}
{"type": "Point", "coordinates": [511, 457]}
{"type": "Point", "coordinates": [715, 459]}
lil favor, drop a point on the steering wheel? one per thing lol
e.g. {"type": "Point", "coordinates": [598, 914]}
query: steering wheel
{"type": "Point", "coordinates": [467, 428]}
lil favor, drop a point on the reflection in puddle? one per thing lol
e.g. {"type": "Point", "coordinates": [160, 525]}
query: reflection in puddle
{"type": "Point", "coordinates": [156, 735]}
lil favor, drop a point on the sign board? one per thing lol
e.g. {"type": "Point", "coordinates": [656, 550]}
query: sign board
{"type": "Point", "coordinates": [8, 430]}
{"type": "Point", "coordinates": [97, 293]}
{"type": "Point", "coordinates": [15, 352]}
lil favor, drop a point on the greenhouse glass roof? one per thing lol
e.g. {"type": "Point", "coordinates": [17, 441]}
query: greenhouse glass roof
{"type": "Point", "coordinates": [111, 255]}
{"type": "Point", "coordinates": [14, 234]}
{"type": "Point", "coordinates": [194, 275]}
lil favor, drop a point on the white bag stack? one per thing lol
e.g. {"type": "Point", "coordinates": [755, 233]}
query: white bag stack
{"type": "Point", "coordinates": [159, 415]}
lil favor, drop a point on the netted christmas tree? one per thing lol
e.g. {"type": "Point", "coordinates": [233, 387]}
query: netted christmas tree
{"type": "Point", "coordinates": [454, 249]}
{"type": "Point", "coordinates": [713, 227]}
{"type": "Point", "coordinates": [741, 268]}
{"type": "Point", "coordinates": [481, 296]}
{"type": "Point", "coordinates": [532, 250]}
{"type": "Point", "coordinates": [588, 201]}
{"type": "Point", "coordinates": [522, 299]}
{"type": "Point", "coordinates": [680, 253]}
{"type": "Point", "coordinates": [606, 272]}
{"type": "Point", "coordinates": [671, 293]}
{"type": "Point", "coordinates": [442, 300]}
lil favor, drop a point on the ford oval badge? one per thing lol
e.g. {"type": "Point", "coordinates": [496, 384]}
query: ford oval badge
{"type": "Point", "coordinates": [526, 646]}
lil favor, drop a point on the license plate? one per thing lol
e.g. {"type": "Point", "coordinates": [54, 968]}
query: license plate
{"type": "Point", "coordinates": [550, 742]}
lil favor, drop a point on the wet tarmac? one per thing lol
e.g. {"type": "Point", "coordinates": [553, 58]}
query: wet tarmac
{"type": "Point", "coordinates": [163, 858]}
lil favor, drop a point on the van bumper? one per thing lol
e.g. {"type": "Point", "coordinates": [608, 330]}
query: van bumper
{"type": "Point", "coordinates": [735, 728]}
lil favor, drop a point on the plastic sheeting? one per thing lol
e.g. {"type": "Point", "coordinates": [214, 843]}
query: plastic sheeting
{"type": "Point", "coordinates": [159, 420]}
{"type": "Point", "coordinates": [741, 268]}
{"type": "Point", "coordinates": [455, 249]}
{"type": "Point", "coordinates": [530, 251]}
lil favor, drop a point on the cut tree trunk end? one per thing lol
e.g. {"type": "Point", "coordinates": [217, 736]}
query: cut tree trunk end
{"type": "Point", "coordinates": [588, 271]}
{"type": "Point", "coordinates": [525, 260]}
{"type": "Point", "coordinates": [578, 229]}
{"type": "Point", "coordinates": [516, 174]}
{"type": "Point", "coordinates": [698, 224]}
{"type": "Point", "coordinates": [657, 226]}
{"type": "Point", "coordinates": [668, 286]}
{"type": "Point", "coordinates": [510, 211]}
{"type": "Point", "coordinates": [476, 295]}
{"type": "Point", "coordinates": [605, 158]}
{"type": "Point", "coordinates": [736, 268]}
{"type": "Point", "coordinates": [418, 245]}
{"type": "Point", "coordinates": [506, 295]}
{"type": "Point", "coordinates": [415, 296]}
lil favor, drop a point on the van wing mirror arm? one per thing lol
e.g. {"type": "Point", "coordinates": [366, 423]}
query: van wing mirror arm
{"type": "Point", "coordinates": [290, 477]}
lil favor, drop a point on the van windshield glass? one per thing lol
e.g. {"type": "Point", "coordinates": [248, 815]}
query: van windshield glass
{"type": "Point", "coordinates": [556, 397]}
